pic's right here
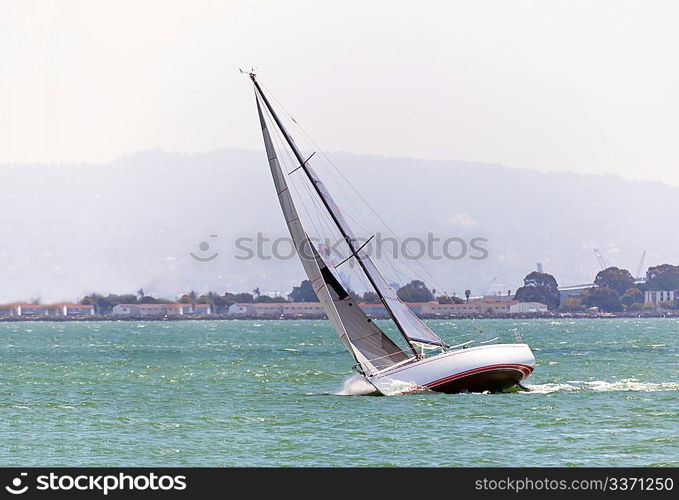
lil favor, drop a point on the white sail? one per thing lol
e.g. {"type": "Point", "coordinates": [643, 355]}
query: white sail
{"type": "Point", "coordinates": [371, 348]}
{"type": "Point", "coordinates": [410, 326]}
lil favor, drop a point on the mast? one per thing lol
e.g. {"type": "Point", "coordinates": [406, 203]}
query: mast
{"type": "Point", "coordinates": [370, 347]}
{"type": "Point", "coordinates": [345, 235]}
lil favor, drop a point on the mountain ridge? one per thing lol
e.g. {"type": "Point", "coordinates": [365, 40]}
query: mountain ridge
{"type": "Point", "coordinates": [133, 222]}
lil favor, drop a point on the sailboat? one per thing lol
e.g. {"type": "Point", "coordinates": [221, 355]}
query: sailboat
{"type": "Point", "coordinates": [425, 361]}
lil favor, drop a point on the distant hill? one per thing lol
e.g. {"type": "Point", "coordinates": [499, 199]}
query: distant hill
{"type": "Point", "coordinates": [69, 229]}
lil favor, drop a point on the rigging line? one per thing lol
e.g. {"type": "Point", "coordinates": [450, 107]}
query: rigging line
{"type": "Point", "coordinates": [399, 274]}
{"type": "Point", "coordinates": [279, 147]}
{"type": "Point", "coordinates": [312, 196]}
{"type": "Point", "coordinates": [390, 329]}
{"type": "Point", "coordinates": [367, 231]}
{"type": "Point", "coordinates": [329, 161]}
{"type": "Point", "coordinates": [325, 159]}
{"type": "Point", "coordinates": [321, 216]}
{"type": "Point", "coordinates": [314, 220]}
{"type": "Point", "coordinates": [326, 220]}
{"type": "Point", "coordinates": [328, 202]}
{"type": "Point", "coordinates": [331, 267]}
{"type": "Point", "coordinates": [338, 184]}
{"type": "Point", "coordinates": [323, 219]}
{"type": "Point", "coordinates": [370, 207]}
{"type": "Point", "coordinates": [417, 275]}
{"type": "Point", "coordinates": [432, 278]}
{"type": "Point", "coordinates": [358, 222]}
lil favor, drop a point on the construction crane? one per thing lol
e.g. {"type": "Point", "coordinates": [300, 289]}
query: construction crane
{"type": "Point", "coordinates": [640, 269]}
{"type": "Point", "coordinates": [600, 259]}
{"type": "Point", "coordinates": [487, 289]}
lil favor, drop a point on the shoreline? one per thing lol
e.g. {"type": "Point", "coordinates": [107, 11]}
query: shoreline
{"type": "Point", "coordinates": [244, 317]}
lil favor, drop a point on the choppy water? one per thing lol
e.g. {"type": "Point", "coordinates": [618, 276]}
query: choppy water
{"type": "Point", "coordinates": [234, 393]}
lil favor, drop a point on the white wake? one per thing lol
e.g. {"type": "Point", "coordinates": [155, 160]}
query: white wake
{"type": "Point", "coordinates": [623, 385]}
{"type": "Point", "coordinates": [357, 385]}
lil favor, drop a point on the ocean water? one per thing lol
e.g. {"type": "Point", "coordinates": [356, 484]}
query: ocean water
{"type": "Point", "coordinates": [281, 393]}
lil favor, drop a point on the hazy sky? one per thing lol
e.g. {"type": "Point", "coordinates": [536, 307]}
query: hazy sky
{"type": "Point", "coordinates": [589, 86]}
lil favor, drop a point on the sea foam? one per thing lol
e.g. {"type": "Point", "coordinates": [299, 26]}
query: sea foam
{"type": "Point", "coordinates": [623, 385]}
{"type": "Point", "coordinates": [357, 385]}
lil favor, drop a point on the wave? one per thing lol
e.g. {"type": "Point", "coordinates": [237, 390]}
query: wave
{"type": "Point", "coordinates": [624, 385]}
{"type": "Point", "coordinates": [357, 385]}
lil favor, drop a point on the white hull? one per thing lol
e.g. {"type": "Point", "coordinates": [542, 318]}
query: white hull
{"type": "Point", "coordinates": [491, 368]}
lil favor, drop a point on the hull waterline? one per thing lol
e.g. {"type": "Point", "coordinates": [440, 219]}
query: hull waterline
{"type": "Point", "coordinates": [492, 368]}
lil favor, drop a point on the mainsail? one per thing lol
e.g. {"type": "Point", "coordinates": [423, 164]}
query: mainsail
{"type": "Point", "coordinates": [410, 326]}
{"type": "Point", "coordinates": [371, 348]}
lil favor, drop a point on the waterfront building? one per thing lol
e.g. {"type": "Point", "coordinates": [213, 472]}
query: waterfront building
{"type": "Point", "coordinates": [202, 309]}
{"type": "Point", "coordinates": [656, 297]}
{"type": "Point", "coordinates": [277, 309]}
{"type": "Point", "coordinates": [35, 310]}
{"type": "Point", "coordinates": [527, 307]}
{"type": "Point", "coordinates": [75, 309]}
{"type": "Point", "coordinates": [478, 306]}
{"type": "Point", "coordinates": [150, 310]}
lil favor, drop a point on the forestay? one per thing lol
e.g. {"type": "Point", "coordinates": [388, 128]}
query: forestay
{"type": "Point", "coordinates": [371, 348]}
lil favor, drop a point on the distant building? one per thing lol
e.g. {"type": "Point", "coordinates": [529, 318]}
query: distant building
{"type": "Point", "coordinates": [483, 306]}
{"type": "Point", "coordinates": [8, 310]}
{"type": "Point", "coordinates": [277, 309]}
{"type": "Point", "coordinates": [202, 309]}
{"type": "Point", "coordinates": [150, 310]}
{"type": "Point", "coordinates": [185, 308]}
{"type": "Point", "coordinates": [241, 309]}
{"type": "Point", "coordinates": [311, 308]}
{"type": "Point", "coordinates": [47, 310]}
{"type": "Point", "coordinates": [475, 306]}
{"type": "Point", "coordinates": [527, 307]}
{"type": "Point", "coordinates": [176, 309]}
{"type": "Point", "coordinates": [76, 309]}
{"type": "Point", "coordinates": [122, 309]}
{"type": "Point", "coordinates": [35, 310]}
{"type": "Point", "coordinates": [656, 297]}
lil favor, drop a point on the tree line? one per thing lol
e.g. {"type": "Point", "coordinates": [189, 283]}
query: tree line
{"type": "Point", "coordinates": [614, 290]}
{"type": "Point", "coordinates": [415, 291]}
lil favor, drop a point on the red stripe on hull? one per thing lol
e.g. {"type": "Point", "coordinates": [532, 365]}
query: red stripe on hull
{"type": "Point", "coordinates": [524, 369]}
